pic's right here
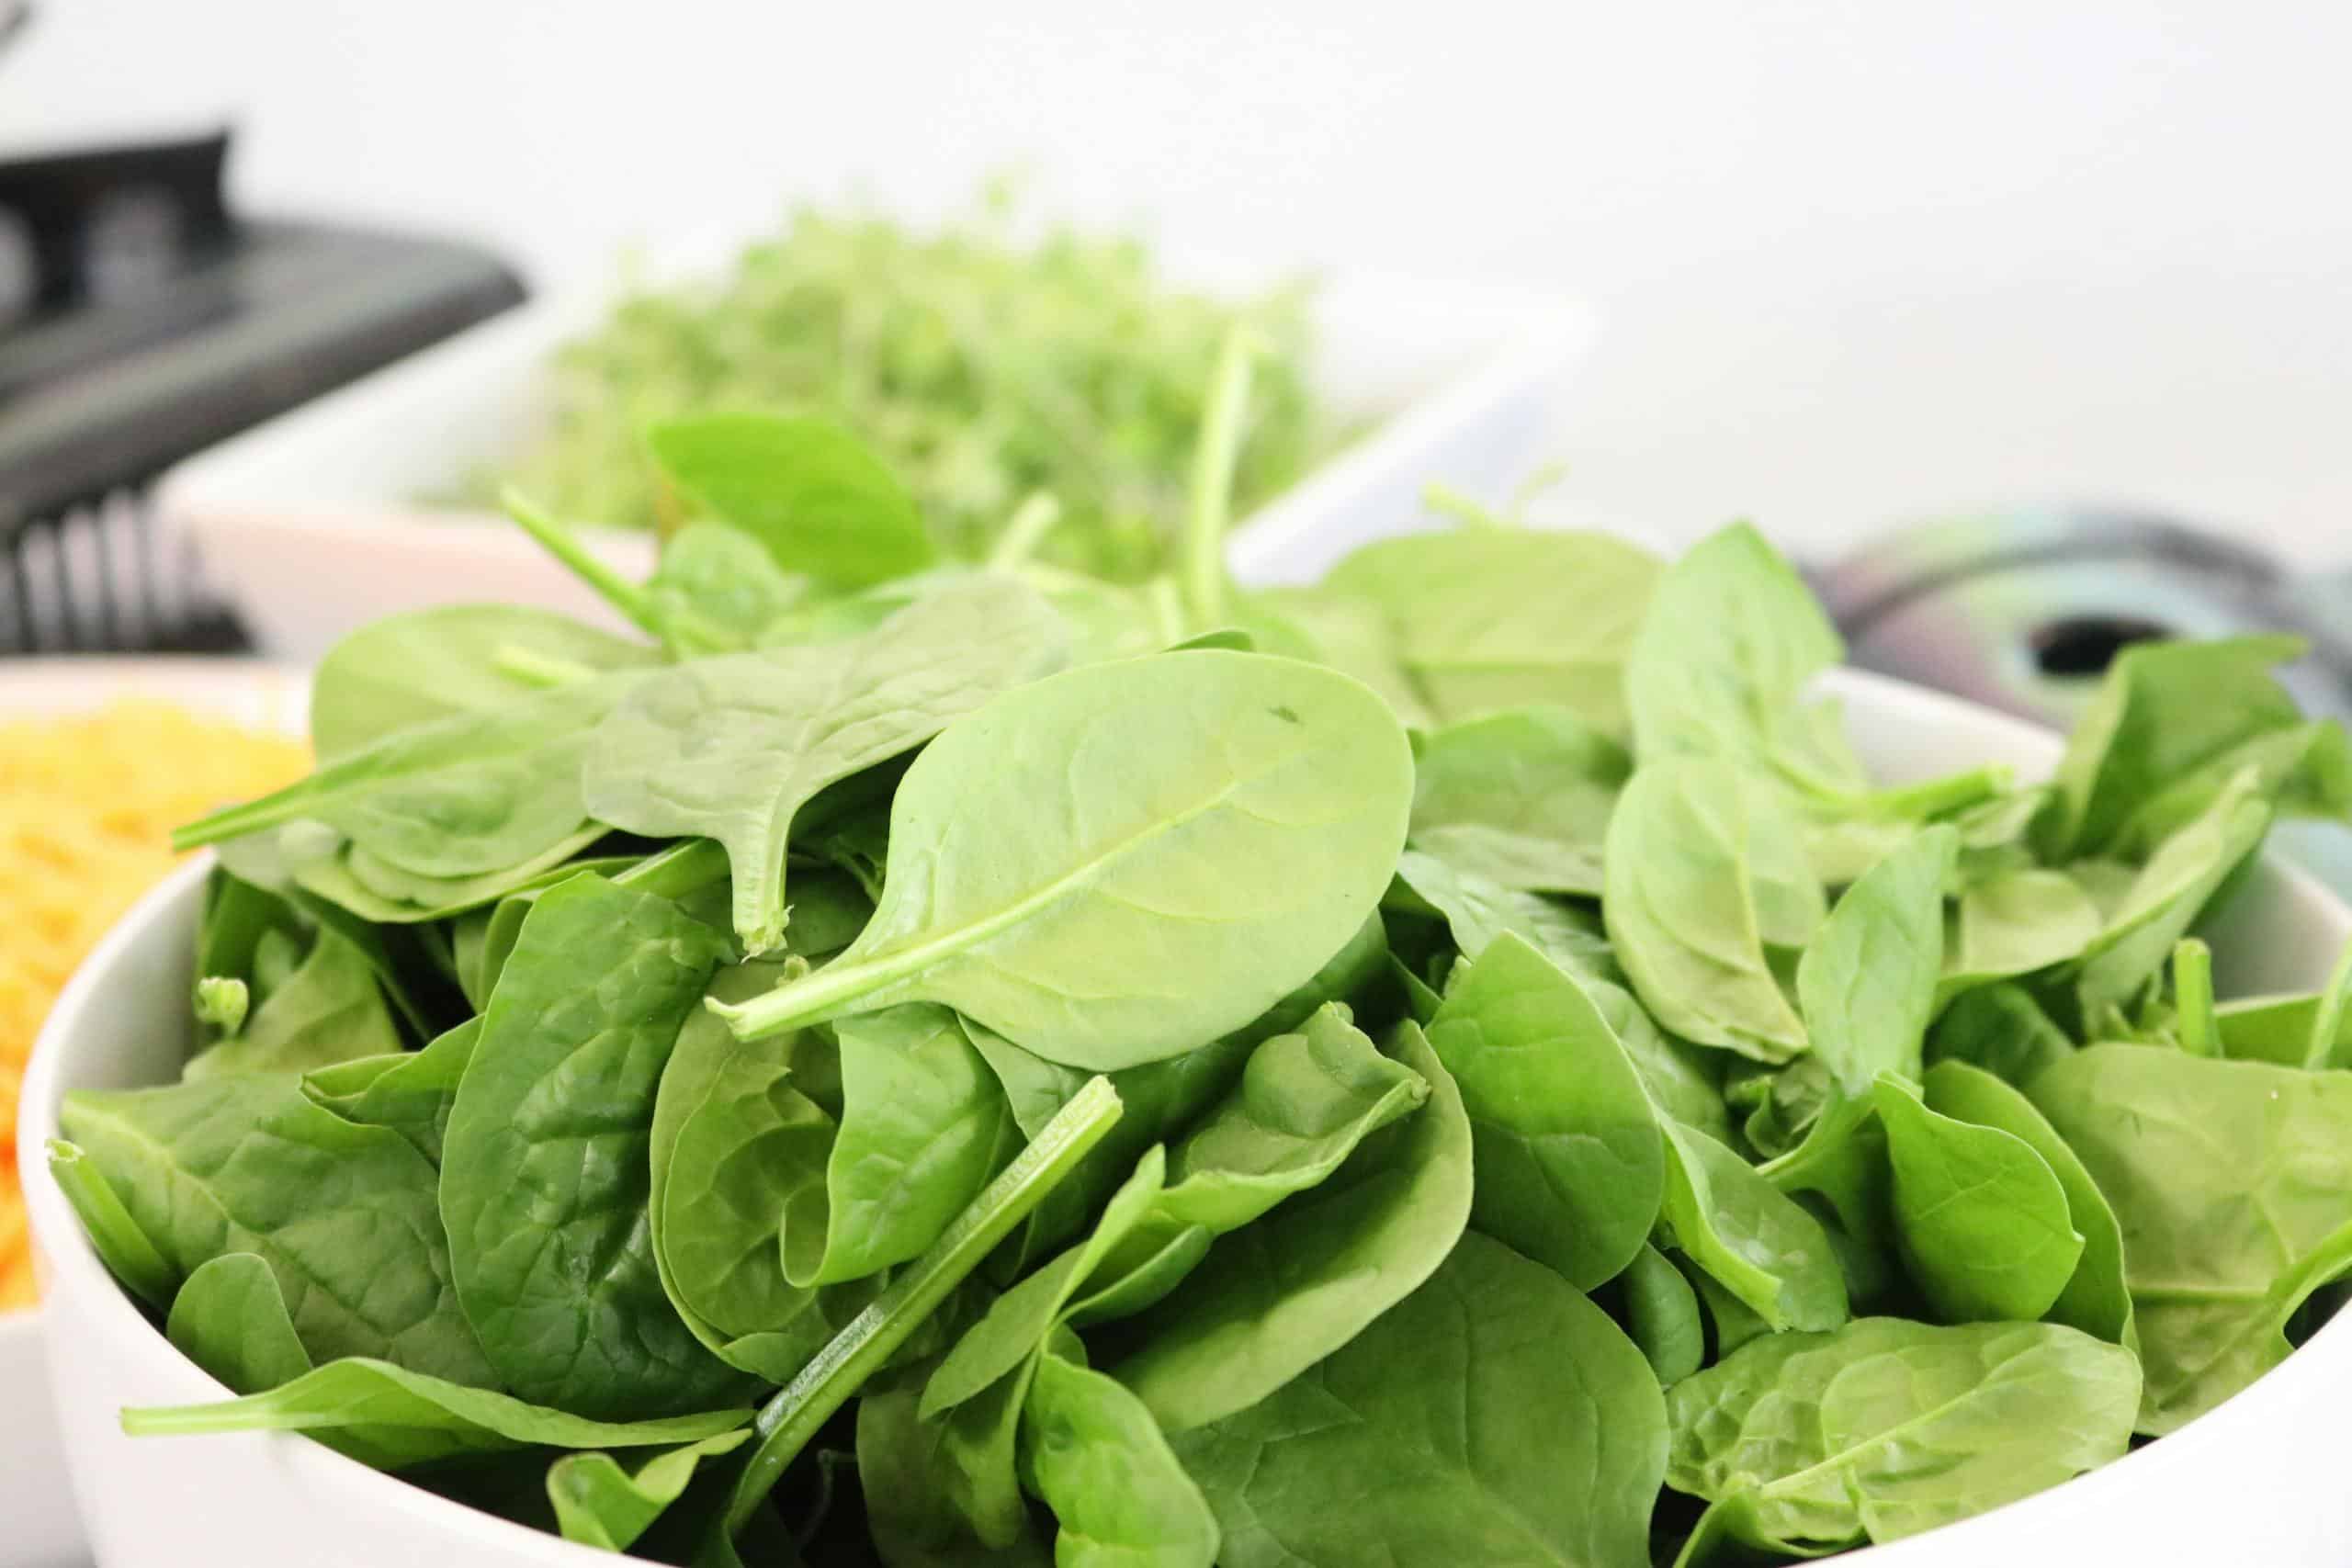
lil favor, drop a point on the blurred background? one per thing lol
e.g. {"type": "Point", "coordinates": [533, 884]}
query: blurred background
{"type": "Point", "coordinates": [1855, 263]}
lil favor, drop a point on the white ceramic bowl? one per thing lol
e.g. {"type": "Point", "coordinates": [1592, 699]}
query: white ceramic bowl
{"type": "Point", "coordinates": [2257, 1482]}
{"type": "Point", "coordinates": [37, 1524]}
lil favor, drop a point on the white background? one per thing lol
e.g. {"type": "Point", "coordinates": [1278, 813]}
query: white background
{"type": "Point", "coordinates": [1859, 262]}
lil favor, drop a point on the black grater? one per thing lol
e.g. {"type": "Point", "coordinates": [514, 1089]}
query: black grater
{"type": "Point", "coordinates": [141, 321]}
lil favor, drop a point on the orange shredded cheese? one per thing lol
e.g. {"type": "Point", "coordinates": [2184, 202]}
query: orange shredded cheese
{"type": "Point", "coordinates": [87, 805]}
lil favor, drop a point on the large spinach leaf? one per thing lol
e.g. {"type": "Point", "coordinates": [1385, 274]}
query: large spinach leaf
{"type": "Point", "coordinates": [1886, 1427]}
{"type": "Point", "coordinates": [1495, 1415]}
{"type": "Point", "coordinates": [545, 1161]}
{"type": "Point", "coordinates": [2228, 1180]}
{"type": "Point", "coordinates": [214, 1166]}
{"type": "Point", "coordinates": [1233, 815]}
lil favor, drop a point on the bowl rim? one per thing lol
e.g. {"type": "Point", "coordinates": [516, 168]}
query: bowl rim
{"type": "Point", "coordinates": [62, 1247]}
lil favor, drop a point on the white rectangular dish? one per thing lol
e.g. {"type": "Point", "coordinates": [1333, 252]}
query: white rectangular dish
{"type": "Point", "coordinates": [311, 522]}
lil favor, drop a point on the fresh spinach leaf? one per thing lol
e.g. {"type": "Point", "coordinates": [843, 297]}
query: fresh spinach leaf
{"type": "Point", "coordinates": [1756, 1243]}
{"type": "Point", "coordinates": [1486, 619]}
{"type": "Point", "coordinates": [476, 794]}
{"type": "Point", "coordinates": [1661, 1316]}
{"type": "Point", "coordinates": [924, 1125]}
{"type": "Point", "coordinates": [431, 664]}
{"type": "Point", "coordinates": [1867, 982]}
{"type": "Point", "coordinates": [805, 488]}
{"type": "Point", "coordinates": [598, 1502]}
{"type": "Point", "coordinates": [1886, 1427]}
{"type": "Point", "coordinates": [1235, 815]}
{"type": "Point", "coordinates": [1274, 1297]}
{"type": "Point", "coordinates": [1681, 907]}
{"type": "Point", "coordinates": [2168, 894]}
{"type": "Point", "coordinates": [127, 1250]}
{"type": "Point", "coordinates": [1522, 797]}
{"type": "Point", "coordinates": [230, 1319]}
{"type": "Point", "coordinates": [328, 1010]}
{"type": "Point", "coordinates": [2227, 1180]}
{"type": "Point", "coordinates": [757, 1125]}
{"type": "Point", "coordinates": [210, 1168]}
{"type": "Point", "coordinates": [1570, 1168]}
{"type": "Point", "coordinates": [1094, 1454]}
{"type": "Point", "coordinates": [731, 748]}
{"type": "Point", "coordinates": [2015, 922]}
{"type": "Point", "coordinates": [545, 1162]}
{"type": "Point", "coordinates": [2096, 1299]}
{"type": "Point", "coordinates": [1731, 636]}
{"type": "Point", "coordinates": [2173, 725]}
{"type": "Point", "coordinates": [1493, 1414]}
{"type": "Point", "coordinates": [392, 1417]}
{"type": "Point", "coordinates": [1982, 1219]}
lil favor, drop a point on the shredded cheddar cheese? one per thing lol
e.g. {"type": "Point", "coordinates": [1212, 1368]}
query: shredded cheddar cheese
{"type": "Point", "coordinates": [87, 805]}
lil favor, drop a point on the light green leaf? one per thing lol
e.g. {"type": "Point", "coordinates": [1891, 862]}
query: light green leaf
{"type": "Point", "coordinates": [1236, 815]}
{"type": "Point", "coordinates": [1570, 1169]}
{"type": "Point", "coordinates": [1887, 1428]}
{"type": "Point", "coordinates": [1982, 1219]}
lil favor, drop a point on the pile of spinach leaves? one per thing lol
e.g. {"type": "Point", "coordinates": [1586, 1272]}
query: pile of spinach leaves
{"type": "Point", "coordinates": [921, 1064]}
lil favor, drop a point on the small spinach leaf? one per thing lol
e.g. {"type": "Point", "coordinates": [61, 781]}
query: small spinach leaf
{"type": "Point", "coordinates": [597, 1503]}
{"type": "Point", "coordinates": [1273, 1298]}
{"type": "Point", "coordinates": [1758, 1244]}
{"type": "Point", "coordinates": [1681, 907]}
{"type": "Point", "coordinates": [1569, 1166]}
{"type": "Point", "coordinates": [1982, 1219]}
{"type": "Point", "coordinates": [808, 491]}
{"type": "Point", "coordinates": [2097, 1300]}
{"type": "Point", "coordinates": [230, 1319]}
{"type": "Point", "coordinates": [1867, 982]}
{"type": "Point", "coordinates": [1521, 796]}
